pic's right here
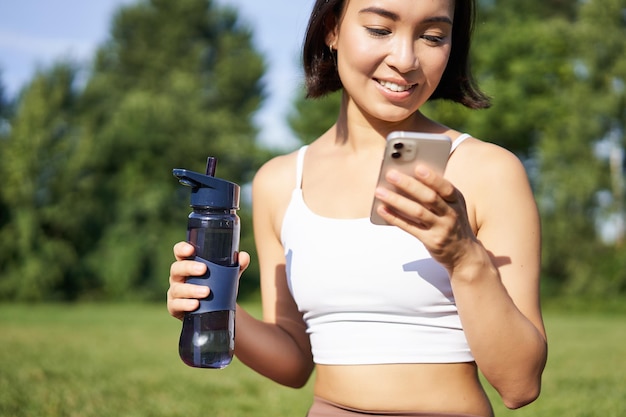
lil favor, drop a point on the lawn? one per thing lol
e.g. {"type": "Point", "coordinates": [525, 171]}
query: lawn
{"type": "Point", "coordinates": [121, 360]}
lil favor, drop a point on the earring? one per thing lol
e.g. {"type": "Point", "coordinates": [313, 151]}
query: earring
{"type": "Point", "coordinates": [332, 54]}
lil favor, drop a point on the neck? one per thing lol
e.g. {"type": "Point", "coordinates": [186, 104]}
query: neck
{"type": "Point", "coordinates": [357, 129]}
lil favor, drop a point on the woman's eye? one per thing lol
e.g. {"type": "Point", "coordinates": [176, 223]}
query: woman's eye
{"type": "Point", "coordinates": [378, 31]}
{"type": "Point", "coordinates": [434, 39]}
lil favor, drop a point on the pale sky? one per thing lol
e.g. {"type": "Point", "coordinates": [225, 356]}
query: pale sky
{"type": "Point", "coordinates": [35, 33]}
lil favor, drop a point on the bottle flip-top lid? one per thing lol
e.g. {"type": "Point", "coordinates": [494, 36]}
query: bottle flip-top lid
{"type": "Point", "coordinates": [208, 191]}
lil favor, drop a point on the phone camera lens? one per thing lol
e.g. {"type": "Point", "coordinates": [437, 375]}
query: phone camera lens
{"type": "Point", "coordinates": [398, 145]}
{"type": "Point", "coordinates": [396, 155]}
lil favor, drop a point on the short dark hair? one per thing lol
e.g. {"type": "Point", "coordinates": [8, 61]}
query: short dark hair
{"type": "Point", "coordinates": [457, 83]}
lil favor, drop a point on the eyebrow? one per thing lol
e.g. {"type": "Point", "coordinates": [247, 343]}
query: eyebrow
{"type": "Point", "coordinates": [395, 17]}
{"type": "Point", "coordinates": [380, 11]}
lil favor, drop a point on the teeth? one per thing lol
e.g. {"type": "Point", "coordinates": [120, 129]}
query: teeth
{"type": "Point", "coordinates": [395, 87]}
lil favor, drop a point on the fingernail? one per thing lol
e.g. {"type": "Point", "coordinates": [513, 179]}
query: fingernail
{"type": "Point", "coordinates": [202, 292]}
{"type": "Point", "coordinates": [393, 176]}
{"type": "Point", "coordinates": [422, 172]}
{"type": "Point", "coordinates": [199, 268]}
{"type": "Point", "coordinates": [381, 192]}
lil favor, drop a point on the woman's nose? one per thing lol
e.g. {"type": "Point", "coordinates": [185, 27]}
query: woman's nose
{"type": "Point", "coordinates": [402, 55]}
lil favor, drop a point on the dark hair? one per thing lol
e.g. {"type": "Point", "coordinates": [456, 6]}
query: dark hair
{"type": "Point", "coordinates": [457, 83]}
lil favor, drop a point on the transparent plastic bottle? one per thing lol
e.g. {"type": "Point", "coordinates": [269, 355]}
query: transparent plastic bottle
{"type": "Point", "coordinates": [207, 338]}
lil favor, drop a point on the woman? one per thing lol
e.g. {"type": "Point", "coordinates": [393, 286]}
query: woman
{"type": "Point", "coordinates": [348, 297]}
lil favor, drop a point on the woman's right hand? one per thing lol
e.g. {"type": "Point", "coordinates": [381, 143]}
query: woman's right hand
{"type": "Point", "coordinates": [183, 297]}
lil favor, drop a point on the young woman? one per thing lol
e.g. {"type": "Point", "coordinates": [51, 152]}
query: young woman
{"type": "Point", "coordinates": [397, 319]}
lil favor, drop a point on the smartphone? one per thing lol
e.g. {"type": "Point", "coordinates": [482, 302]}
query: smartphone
{"type": "Point", "coordinates": [403, 151]}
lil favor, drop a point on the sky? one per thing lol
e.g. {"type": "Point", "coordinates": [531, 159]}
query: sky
{"type": "Point", "coordinates": [36, 33]}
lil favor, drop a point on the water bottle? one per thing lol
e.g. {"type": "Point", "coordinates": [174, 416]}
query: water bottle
{"type": "Point", "coordinates": [207, 339]}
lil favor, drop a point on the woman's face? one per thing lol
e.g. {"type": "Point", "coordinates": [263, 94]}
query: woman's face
{"type": "Point", "coordinates": [391, 54]}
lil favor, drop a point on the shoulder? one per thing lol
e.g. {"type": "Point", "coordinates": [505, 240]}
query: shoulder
{"type": "Point", "coordinates": [487, 163]}
{"type": "Point", "coordinates": [478, 148]}
{"type": "Point", "coordinates": [492, 179]}
{"type": "Point", "coordinates": [277, 172]}
{"type": "Point", "coordinates": [272, 188]}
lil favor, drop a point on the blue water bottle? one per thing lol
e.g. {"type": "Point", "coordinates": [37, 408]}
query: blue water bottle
{"type": "Point", "coordinates": [207, 339]}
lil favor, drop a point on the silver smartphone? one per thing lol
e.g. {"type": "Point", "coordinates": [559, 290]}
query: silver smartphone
{"type": "Point", "coordinates": [403, 151]}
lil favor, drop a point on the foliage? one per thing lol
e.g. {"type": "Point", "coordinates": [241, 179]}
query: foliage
{"type": "Point", "coordinates": [310, 118]}
{"type": "Point", "coordinates": [37, 170]}
{"type": "Point", "coordinates": [5, 111]}
{"type": "Point", "coordinates": [93, 207]}
{"type": "Point", "coordinates": [572, 173]}
{"type": "Point", "coordinates": [89, 208]}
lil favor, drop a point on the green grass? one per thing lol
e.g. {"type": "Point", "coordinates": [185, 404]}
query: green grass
{"type": "Point", "coordinates": [122, 360]}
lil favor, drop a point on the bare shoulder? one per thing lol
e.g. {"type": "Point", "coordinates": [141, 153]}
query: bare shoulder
{"type": "Point", "coordinates": [271, 190]}
{"type": "Point", "coordinates": [279, 173]}
{"type": "Point", "coordinates": [487, 164]}
{"type": "Point", "coordinates": [493, 181]}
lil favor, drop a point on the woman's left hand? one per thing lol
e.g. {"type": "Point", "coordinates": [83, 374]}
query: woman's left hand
{"type": "Point", "coordinates": [430, 208]}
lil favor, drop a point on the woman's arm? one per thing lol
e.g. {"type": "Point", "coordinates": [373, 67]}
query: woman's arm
{"type": "Point", "coordinates": [497, 286]}
{"type": "Point", "coordinates": [277, 347]}
{"type": "Point", "coordinates": [494, 271]}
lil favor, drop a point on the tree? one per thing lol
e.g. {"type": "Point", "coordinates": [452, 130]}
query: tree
{"type": "Point", "coordinates": [310, 118]}
{"type": "Point", "coordinates": [575, 175]}
{"type": "Point", "coordinates": [528, 9]}
{"type": "Point", "coordinates": [35, 241]}
{"type": "Point", "coordinates": [168, 90]}
{"type": "Point", "coordinates": [175, 83]}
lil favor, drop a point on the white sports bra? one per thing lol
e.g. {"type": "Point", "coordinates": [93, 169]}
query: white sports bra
{"type": "Point", "coordinates": [369, 294]}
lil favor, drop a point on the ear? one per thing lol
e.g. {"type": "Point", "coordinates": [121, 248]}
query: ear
{"type": "Point", "coordinates": [332, 32]}
{"type": "Point", "coordinates": [331, 40]}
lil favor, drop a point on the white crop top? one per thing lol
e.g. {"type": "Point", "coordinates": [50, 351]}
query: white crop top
{"type": "Point", "coordinates": [369, 294]}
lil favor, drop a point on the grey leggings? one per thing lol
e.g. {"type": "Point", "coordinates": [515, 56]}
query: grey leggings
{"type": "Point", "coordinates": [323, 408]}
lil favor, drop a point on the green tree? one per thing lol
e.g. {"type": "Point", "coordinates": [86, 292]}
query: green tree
{"type": "Point", "coordinates": [528, 9]}
{"type": "Point", "coordinates": [4, 141]}
{"type": "Point", "coordinates": [35, 242]}
{"type": "Point", "coordinates": [574, 174]}
{"type": "Point", "coordinates": [94, 208]}
{"type": "Point", "coordinates": [177, 82]}
{"type": "Point", "coordinates": [310, 118]}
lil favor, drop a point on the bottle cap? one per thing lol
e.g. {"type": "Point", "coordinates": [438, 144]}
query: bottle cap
{"type": "Point", "coordinates": [208, 191]}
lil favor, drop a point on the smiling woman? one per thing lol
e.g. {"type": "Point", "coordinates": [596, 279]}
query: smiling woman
{"type": "Point", "coordinates": [338, 297]}
{"type": "Point", "coordinates": [414, 49]}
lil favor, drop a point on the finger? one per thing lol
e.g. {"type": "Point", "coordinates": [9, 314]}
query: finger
{"type": "Point", "coordinates": [184, 250]}
{"type": "Point", "coordinates": [413, 198]}
{"type": "Point", "coordinates": [400, 209]}
{"type": "Point", "coordinates": [182, 298]}
{"type": "Point", "coordinates": [178, 307]}
{"type": "Point", "coordinates": [437, 183]}
{"type": "Point", "coordinates": [427, 188]}
{"type": "Point", "coordinates": [244, 261]}
{"type": "Point", "coordinates": [417, 219]}
{"type": "Point", "coordinates": [180, 270]}
{"type": "Point", "coordinates": [187, 291]}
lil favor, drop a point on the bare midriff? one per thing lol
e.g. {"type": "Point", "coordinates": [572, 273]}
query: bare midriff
{"type": "Point", "coordinates": [437, 388]}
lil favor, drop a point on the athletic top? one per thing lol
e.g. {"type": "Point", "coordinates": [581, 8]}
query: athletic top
{"type": "Point", "coordinates": [369, 294]}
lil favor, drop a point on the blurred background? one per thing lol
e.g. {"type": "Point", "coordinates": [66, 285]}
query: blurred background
{"type": "Point", "coordinates": [100, 100]}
